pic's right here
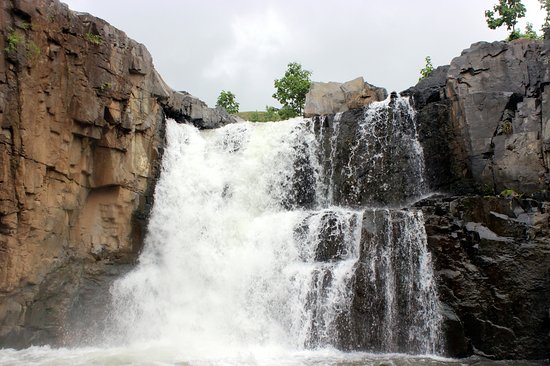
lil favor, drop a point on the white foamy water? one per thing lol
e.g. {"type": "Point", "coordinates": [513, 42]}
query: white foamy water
{"type": "Point", "coordinates": [247, 262]}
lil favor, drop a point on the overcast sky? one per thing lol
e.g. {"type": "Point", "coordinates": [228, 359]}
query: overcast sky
{"type": "Point", "coordinates": [205, 46]}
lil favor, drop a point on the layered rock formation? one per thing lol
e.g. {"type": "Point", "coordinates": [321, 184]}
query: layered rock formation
{"type": "Point", "coordinates": [81, 116]}
{"type": "Point", "coordinates": [496, 104]}
{"type": "Point", "coordinates": [483, 123]}
{"type": "Point", "coordinates": [492, 260]}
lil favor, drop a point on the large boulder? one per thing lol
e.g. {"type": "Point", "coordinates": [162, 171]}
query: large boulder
{"type": "Point", "coordinates": [333, 97]}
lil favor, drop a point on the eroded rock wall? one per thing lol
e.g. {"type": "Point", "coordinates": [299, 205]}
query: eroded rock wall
{"type": "Point", "coordinates": [483, 124]}
{"type": "Point", "coordinates": [81, 114]}
{"type": "Point", "coordinates": [485, 119]}
{"type": "Point", "coordinates": [492, 263]}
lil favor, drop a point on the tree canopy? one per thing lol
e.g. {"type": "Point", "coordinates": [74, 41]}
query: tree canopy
{"type": "Point", "coordinates": [292, 88]}
{"type": "Point", "coordinates": [227, 100]}
{"type": "Point", "coordinates": [509, 12]}
{"type": "Point", "coordinates": [545, 5]}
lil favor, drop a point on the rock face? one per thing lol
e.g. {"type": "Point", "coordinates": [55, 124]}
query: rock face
{"type": "Point", "coordinates": [483, 124]}
{"type": "Point", "coordinates": [370, 155]}
{"type": "Point", "coordinates": [495, 100]}
{"type": "Point", "coordinates": [81, 114]}
{"type": "Point", "coordinates": [492, 260]}
{"type": "Point", "coordinates": [331, 98]}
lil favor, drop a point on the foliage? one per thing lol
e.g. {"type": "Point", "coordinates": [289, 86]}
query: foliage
{"type": "Point", "coordinates": [545, 5]}
{"type": "Point", "coordinates": [33, 50]}
{"type": "Point", "coordinates": [105, 86]}
{"type": "Point", "coordinates": [93, 38]}
{"type": "Point", "coordinates": [24, 25]}
{"type": "Point", "coordinates": [287, 113]}
{"type": "Point", "coordinates": [530, 32]}
{"type": "Point", "coordinates": [427, 70]}
{"type": "Point", "coordinates": [227, 100]}
{"type": "Point", "coordinates": [292, 88]}
{"type": "Point", "coordinates": [13, 40]}
{"type": "Point", "coordinates": [509, 193]}
{"type": "Point", "coordinates": [509, 12]}
{"type": "Point", "coordinates": [514, 35]}
{"type": "Point", "coordinates": [506, 128]}
{"type": "Point", "coordinates": [272, 114]}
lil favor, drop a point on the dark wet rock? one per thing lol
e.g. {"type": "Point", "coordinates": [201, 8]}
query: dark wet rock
{"type": "Point", "coordinates": [369, 155]}
{"type": "Point", "coordinates": [492, 261]}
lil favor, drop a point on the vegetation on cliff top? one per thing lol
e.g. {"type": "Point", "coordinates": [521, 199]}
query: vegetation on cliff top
{"type": "Point", "coordinates": [292, 88]}
{"type": "Point", "coordinates": [509, 12]}
{"type": "Point", "coordinates": [290, 91]}
{"type": "Point", "coordinates": [228, 101]}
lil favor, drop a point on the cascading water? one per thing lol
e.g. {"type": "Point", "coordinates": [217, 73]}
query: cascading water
{"type": "Point", "coordinates": [246, 247]}
{"type": "Point", "coordinates": [278, 243]}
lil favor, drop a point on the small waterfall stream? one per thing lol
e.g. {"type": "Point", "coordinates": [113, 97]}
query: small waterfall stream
{"type": "Point", "coordinates": [266, 235]}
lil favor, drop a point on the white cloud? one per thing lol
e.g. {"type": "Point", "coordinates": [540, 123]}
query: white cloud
{"type": "Point", "coordinates": [255, 39]}
{"type": "Point", "coordinates": [204, 46]}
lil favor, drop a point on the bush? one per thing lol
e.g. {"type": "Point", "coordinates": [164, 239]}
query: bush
{"type": "Point", "coordinates": [227, 100]}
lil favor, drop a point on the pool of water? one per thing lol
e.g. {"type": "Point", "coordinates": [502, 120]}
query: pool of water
{"type": "Point", "coordinates": [168, 356]}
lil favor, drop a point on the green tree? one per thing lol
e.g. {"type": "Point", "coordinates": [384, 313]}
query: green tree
{"type": "Point", "coordinates": [292, 88]}
{"type": "Point", "coordinates": [271, 113]}
{"type": "Point", "coordinates": [427, 70]}
{"type": "Point", "coordinates": [545, 5]}
{"type": "Point", "coordinates": [529, 32]}
{"type": "Point", "coordinates": [509, 12]}
{"type": "Point", "coordinates": [227, 100]}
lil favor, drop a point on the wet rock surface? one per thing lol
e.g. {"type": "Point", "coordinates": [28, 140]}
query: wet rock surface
{"type": "Point", "coordinates": [370, 155]}
{"type": "Point", "coordinates": [492, 263]}
{"type": "Point", "coordinates": [482, 122]}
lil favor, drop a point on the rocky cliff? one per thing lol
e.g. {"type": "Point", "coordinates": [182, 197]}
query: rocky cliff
{"type": "Point", "coordinates": [486, 117]}
{"type": "Point", "coordinates": [81, 114]}
{"type": "Point", "coordinates": [483, 124]}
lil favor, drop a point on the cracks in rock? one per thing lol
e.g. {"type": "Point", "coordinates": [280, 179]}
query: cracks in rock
{"type": "Point", "coordinates": [496, 54]}
{"type": "Point", "coordinates": [473, 71]}
{"type": "Point", "coordinates": [461, 80]}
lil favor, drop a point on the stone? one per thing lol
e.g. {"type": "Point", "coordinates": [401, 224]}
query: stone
{"type": "Point", "coordinates": [332, 97]}
{"type": "Point", "coordinates": [495, 96]}
{"type": "Point", "coordinates": [492, 274]}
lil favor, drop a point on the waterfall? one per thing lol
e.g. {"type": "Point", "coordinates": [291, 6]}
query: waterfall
{"type": "Point", "coordinates": [268, 235]}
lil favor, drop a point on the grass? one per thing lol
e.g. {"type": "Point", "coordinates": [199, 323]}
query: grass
{"type": "Point", "coordinates": [13, 40]}
{"type": "Point", "coordinates": [93, 38]}
{"type": "Point", "coordinates": [258, 116]}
